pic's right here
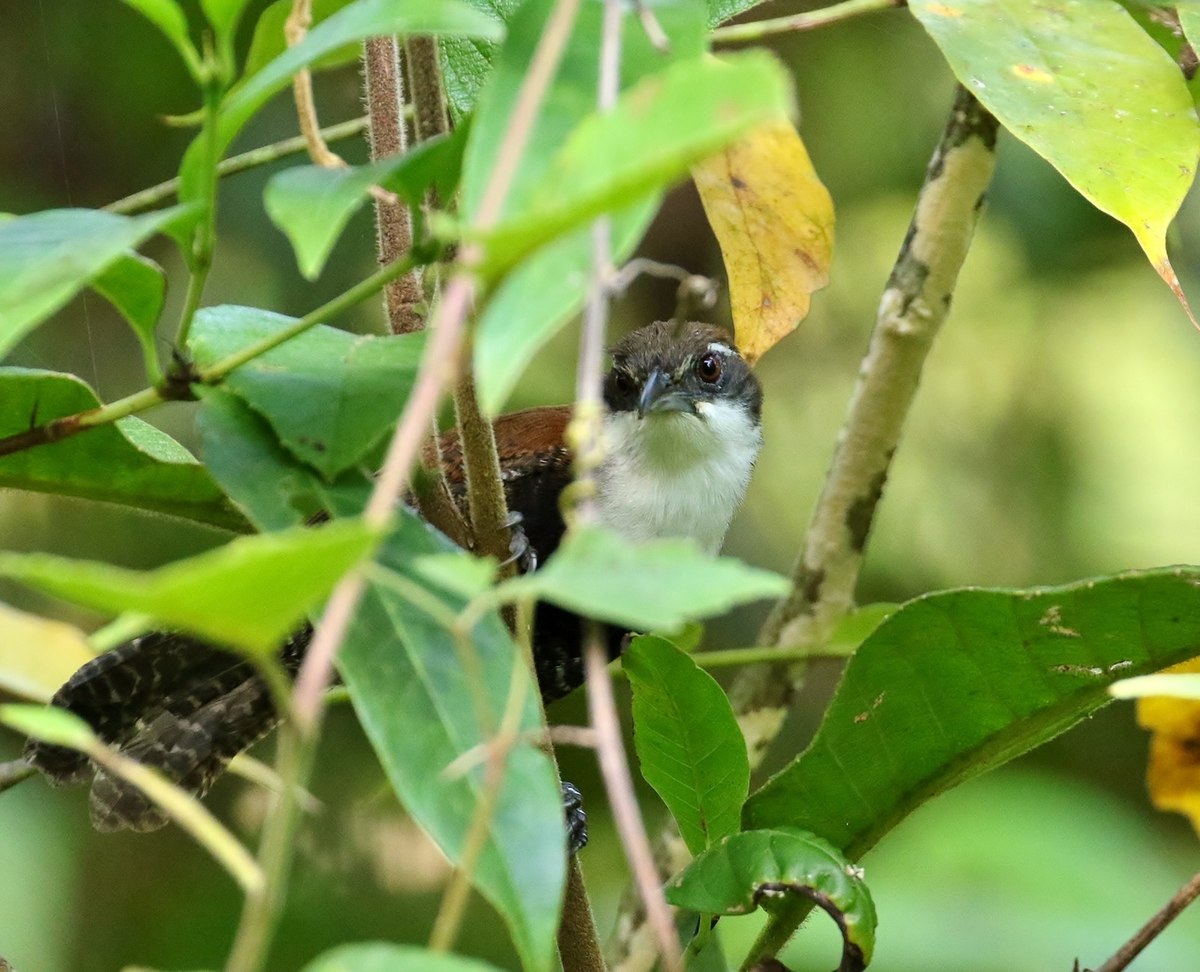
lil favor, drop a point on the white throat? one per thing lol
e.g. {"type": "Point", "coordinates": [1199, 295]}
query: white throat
{"type": "Point", "coordinates": [671, 474]}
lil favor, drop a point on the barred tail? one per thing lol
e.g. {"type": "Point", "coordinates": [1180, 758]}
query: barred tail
{"type": "Point", "coordinates": [169, 701]}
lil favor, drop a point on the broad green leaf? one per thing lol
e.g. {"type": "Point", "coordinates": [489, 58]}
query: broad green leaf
{"type": "Point", "coordinates": [651, 586]}
{"type": "Point", "coordinates": [269, 41]}
{"type": "Point", "coordinates": [688, 742]}
{"type": "Point", "coordinates": [248, 594]}
{"type": "Point", "coordinates": [272, 488]}
{"type": "Point", "coordinates": [415, 699]}
{"type": "Point", "coordinates": [312, 204]}
{"type": "Point", "coordinates": [1088, 90]}
{"type": "Point", "coordinates": [356, 22]}
{"type": "Point", "coordinates": [660, 126]}
{"type": "Point", "coordinates": [773, 218]}
{"type": "Point", "coordinates": [129, 462]}
{"type": "Point", "coordinates": [50, 724]}
{"type": "Point", "coordinates": [760, 866]}
{"type": "Point", "coordinates": [387, 957]}
{"type": "Point", "coordinates": [467, 61]}
{"type": "Point", "coordinates": [329, 395]}
{"type": "Point", "coordinates": [223, 14]}
{"type": "Point", "coordinates": [856, 626]}
{"type": "Point", "coordinates": [48, 257]}
{"type": "Point", "coordinates": [538, 298]}
{"type": "Point", "coordinates": [1189, 20]}
{"type": "Point", "coordinates": [168, 17]}
{"type": "Point", "coordinates": [571, 96]}
{"type": "Point", "coordinates": [37, 655]}
{"type": "Point", "coordinates": [959, 682]}
{"type": "Point", "coordinates": [136, 287]}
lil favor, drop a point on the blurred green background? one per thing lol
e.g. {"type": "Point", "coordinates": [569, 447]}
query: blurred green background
{"type": "Point", "coordinates": [1054, 437]}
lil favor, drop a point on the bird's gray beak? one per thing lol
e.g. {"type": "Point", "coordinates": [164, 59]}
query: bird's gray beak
{"type": "Point", "coordinates": [659, 394]}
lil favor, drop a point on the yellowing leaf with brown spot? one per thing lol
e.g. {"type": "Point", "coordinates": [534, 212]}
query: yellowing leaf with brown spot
{"type": "Point", "coordinates": [37, 655]}
{"type": "Point", "coordinates": [774, 220]}
{"type": "Point", "coordinates": [1173, 773]}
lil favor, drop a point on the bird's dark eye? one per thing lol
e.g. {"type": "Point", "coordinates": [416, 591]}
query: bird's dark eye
{"type": "Point", "coordinates": [708, 368]}
{"type": "Point", "coordinates": [623, 381]}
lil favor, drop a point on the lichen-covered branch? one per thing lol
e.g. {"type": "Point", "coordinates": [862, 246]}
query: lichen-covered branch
{"type": "Point", "coordinates": [912, 309]}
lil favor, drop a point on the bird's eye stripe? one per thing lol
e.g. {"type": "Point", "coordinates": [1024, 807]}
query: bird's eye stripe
{"type": "Point", "coordinates": [719, 348]}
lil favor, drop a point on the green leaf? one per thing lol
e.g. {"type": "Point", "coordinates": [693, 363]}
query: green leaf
{"type": "Point", "coordinates": [48, 257]}
{"type": "Point", "coordinates": [959, 682]}
{"type": "Point", "coordinates": [757, 867]}
{"type": "Point", "coordinates": [167, 17]}
{"type": "Point", "coordinates": [269, 41]}
{"type": "Point", "coordinates": [660, 126]}
{"type": "Point", "coordinates": [37, 655]}
{"type": "Point", "coordinates": [688, 741]}
{"type": "Point", "coordinates": [415, 699]}
{"type": "Point", "coordinates": [657, 585]}
{"type": "Point", "coordinates": [467, 62]}
{"type": "Point", "coordinates": [264, 481]}
{"type": "Point", "coordinates": [248, 594]}
{"type": "Point", "coordinates": [136, 287]}
{"type": "Point", "coordinates": [129, 462]}
{"type": "Point", "coordinates": [571, 96]}
{"type": "Point", "coordinates": [312, 204]}
{"type": "Point", "coordinates": [356, 22]}
{"type": "Point", "coordinates": [386, 957]}
{"type": "Point", "coordinates": [330, 396]}
{"type": "Point", "coordinates": [223, 15]}
{"type": "Point", "coordinates": [50, 724]}
{"type": "Point", "coordinates": [856, 626]}
{"type": "Point", "coordinates": [1088, 90]}
{"type": "Point", "coordinates": [538, 298]}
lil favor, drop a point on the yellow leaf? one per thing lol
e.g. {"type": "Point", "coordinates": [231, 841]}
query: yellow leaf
{"type": "Point", "coordinates": [37, 655]}
{"type": "Point", "coordinates": [1173, 773]}
{"type": "Point", "coordinates": [774, 220]}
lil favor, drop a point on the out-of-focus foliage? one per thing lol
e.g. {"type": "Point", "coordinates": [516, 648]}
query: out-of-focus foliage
{"type": "Point", "coordinates": [1053, 438]}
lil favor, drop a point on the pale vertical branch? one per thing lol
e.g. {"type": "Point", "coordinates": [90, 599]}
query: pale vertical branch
{"type": "Point", "coordinates": [912, 309]}
{"type": "Point", "coordinates": [384, 91]}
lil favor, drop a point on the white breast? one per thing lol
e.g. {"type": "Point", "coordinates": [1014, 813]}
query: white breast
{"type": "Point", "coordinates": [672, 474]}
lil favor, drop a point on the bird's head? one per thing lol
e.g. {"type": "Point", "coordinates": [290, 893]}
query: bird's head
{"type": "Point", "coordinates": [666, 370]}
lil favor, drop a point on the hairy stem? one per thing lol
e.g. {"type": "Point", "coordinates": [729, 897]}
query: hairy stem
{"type": "Point", "coordinates": [388, 131]}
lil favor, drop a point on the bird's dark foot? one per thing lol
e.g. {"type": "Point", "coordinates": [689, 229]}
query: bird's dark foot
{"type": "Point", "coordinates": [520, 550]}
{"type": "Point", "coordinates": [577, 835]}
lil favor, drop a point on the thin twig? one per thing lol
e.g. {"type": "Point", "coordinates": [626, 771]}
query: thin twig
{"type": "Point", "coordinates": [1154, 927]}
{"type": "Point", "coordinates": [626, 814]}
{"type": "Point", "coordinates": [14, 772]}
{"type": "Point", "coordinates": [148, 198]}
{"type": "Point", "coordinates": [808, 20]}
{"type": "Point", "coordinates": [69, 425]}
{"type": "Point", "coordinates": [295, 29]}
{"type": "Point", "coordinates": [450, 915]}
{"type": "Point", "coordinates": [586, 437]}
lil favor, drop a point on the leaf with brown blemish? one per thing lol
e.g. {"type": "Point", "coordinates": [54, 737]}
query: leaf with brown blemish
{"type": "Point", "coordinates": [774, 220]}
